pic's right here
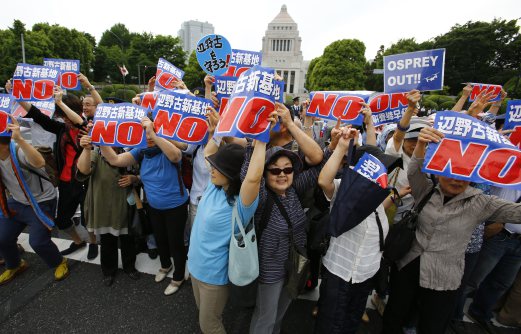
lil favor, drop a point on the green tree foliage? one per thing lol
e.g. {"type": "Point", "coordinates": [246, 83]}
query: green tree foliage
{"type": "Point", "coordinates": [311, 66]}
{"type": "Point", "coordinates": [480, 52]}
{"type": "Point", "coordinates": [341, 67]}
{"type": "Point", "coordinates": [43, 41]}
{"type": "Point", "coordinates": [194, 74]}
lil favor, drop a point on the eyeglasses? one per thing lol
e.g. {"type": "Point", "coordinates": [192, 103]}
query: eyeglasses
{"type": "Point", "coordinates": [277, 171]}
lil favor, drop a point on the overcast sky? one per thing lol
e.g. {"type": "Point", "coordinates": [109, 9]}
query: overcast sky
{"type": "Point", "coordinates": [375, 22]}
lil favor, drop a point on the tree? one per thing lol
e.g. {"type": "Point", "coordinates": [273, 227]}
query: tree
{"type": "Point", "coordinates": [341, 67]}
{"type": "Point", "coordinates": [480, 52]}
{"type": "Point", "coordinates": [309, 73]}
{"type": "Point", "coordinates": [194, 74]}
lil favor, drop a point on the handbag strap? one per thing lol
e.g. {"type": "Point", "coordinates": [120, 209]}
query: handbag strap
{"type": "Point", "coordinates": [284, 214]}
{"type": "Point", "coordinates": [235, 219]}
{"type": "Point", "coordinates": [380, 230]}
{"type": "Point", "coordinates": [424, 201]}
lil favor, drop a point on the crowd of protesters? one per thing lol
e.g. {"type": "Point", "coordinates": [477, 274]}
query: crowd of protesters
{"type": "Point", "coordinates": [467, 244]}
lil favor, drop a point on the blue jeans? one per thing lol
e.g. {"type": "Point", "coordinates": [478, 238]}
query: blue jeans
{"type": "Point", "coordinates": [498, 264]}
{"type": "Point", "coordinates": [39, 235]}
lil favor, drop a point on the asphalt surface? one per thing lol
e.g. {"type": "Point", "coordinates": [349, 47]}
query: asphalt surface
{"type": "Point", "coordinates": [35, 303]}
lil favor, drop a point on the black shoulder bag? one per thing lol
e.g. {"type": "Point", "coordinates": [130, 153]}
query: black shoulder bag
{"type": "Point", "coordinates": [297, 264]}
{"type": "Point", "coordinates": [401, 234]}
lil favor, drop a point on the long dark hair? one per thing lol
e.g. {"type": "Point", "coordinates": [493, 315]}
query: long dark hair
{"type": "Point", "coordinates": [234, 188]}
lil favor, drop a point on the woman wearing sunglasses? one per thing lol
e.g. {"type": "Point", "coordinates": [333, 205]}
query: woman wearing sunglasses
{"type": "Point", "coordinates": [283, 180]}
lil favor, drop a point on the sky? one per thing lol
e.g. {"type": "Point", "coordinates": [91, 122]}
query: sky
{"type": "Point", "coordinates": [244, 23]}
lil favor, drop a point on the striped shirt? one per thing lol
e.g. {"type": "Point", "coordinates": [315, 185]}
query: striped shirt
{"type": "Point", "coordinates": [274, 243]}
{"type": "Point", "coordinates": [355, 255]}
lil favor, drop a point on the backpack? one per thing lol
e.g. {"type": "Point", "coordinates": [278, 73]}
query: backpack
{"type": "Point", "coordinates": [51, 170]}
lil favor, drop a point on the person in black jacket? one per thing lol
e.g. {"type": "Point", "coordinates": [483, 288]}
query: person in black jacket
{"type": "Point", "coordinates": [66, 151]}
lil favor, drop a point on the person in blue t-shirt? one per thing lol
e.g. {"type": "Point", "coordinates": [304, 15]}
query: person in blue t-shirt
{"type": "Point", "coordinates": [167, 197]}
{"type": "Point", "coordinates": [211, 232]}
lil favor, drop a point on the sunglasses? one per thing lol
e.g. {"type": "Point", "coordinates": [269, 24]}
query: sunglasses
{"type": "Point", "coordinates": [277, 171]}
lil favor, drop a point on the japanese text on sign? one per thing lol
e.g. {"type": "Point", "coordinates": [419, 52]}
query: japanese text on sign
{"type": "Point", "coordinates": [371, 168]}
{"type": "Point", "coordinates": [388, 108]}
{"type": "Point", "coordinates": [213, 54]}
{"type": "Point", "coordinates": [473, 151]}
{"type": "Point", "coordinates": [167, 75]}
{"type": "Point", "coordinates": [119, 125]}
{"type": "Point", "coordinates": [241, 61]}
{"type": "Point", "coordinates": [6, 102]}
{"type": "Point", "coordinates": [513, 121]}
{"type": "Point", "coordinates": [33, 83]}
{"type": "Point", "coordinates": [69, 70]}
{"type": "Point", "coordinates": [181, 117]}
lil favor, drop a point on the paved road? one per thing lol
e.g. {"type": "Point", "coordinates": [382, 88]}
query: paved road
{"type": "Point", "coordinates": [34, 303]}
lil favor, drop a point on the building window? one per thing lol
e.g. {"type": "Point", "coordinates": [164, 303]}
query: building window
{"type": "Point", "coordinates": [292, 83]}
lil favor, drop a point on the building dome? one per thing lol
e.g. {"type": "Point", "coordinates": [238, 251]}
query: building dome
{"type": "Point", "coordinates": [283, 17]}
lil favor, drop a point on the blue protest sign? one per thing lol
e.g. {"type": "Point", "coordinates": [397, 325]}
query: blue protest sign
{"type": "Point", "coordinates": [473, 151]}
{"type": "Point", "coordinates": [6, 103]}
{"type": "Point", "coordinates": [181, 117]}
{"type": "Point", "coordinates": [513, 121]}
{"type": "Point", "coordinates": [241, 61]}
{"type": "Point", "coordinates": [478, 88]}
{"type": "Point", "coordinates": [422, 70]}
{"type": "Point", "coordinates": [167, 75]}
{"type": "Point", "coordinates": [388, 108]}
{"type": "Point", "coordinates": [224, 86]}
{"type": "Point", "coordinates": [213, 54]}
{"type": "Point", "coordinates": [33, 83]}
{"type": "Point", "coordinates": [334, 105]}
{"type": "Point", "coordinates": [119, 125]}
{"type": "Point", "coordinates": [69, 71]}
{"type": "Point", "coordinates": [46, 107]}
{"type": "Point", "coordinates": [252, 101]}
{"type": "Point", "coordinates": [371, 168]}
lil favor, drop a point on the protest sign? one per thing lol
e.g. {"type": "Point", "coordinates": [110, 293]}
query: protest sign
{"type": "Point", "coordinates": [388, 108]}
{"type": "Point", "coordinates": [371, 168]}
{"type": "Point", "coordinates": [32, 83]}
{"type": "Point", "coordinates": [119, 125]}
{"type": "Point", "coordinates": [478, 88]}
{"type": "Point", "coordinates": [252, 101]}
{"type": "Point", "coordinates": [6, 103]}
{"type": "Point", "coordinates": [46, 107]}
{"type": "Point", "coordinates": [224, 86]}
{"type": "Point", "coordinates": [181, 117]}
{"type": "Point", "coordinates": [213, 53]}
{"type": "Point", "coordinates": [241, 61]}
{"type": "Point", "coordinates": [473, 151]}
{"type": "Point", "coordinates": [513, 121]}
{"type": "Point", "coordinates": [148, 100]}
{"type": "Point", "coordinates": [167, 75]}
{"type": "Point", "coordinates": [69, 71]}
{"type": "Point", "coordinates": [422, 70]}
{"type": "Point", "coordinates": [334, 105]}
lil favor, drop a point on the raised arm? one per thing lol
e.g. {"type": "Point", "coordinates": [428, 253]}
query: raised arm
{"type": "Point", "coordinates": [309, 147]}
{"type": "Point", "coordinates": [413, 97]}
{"type": "Point", "coordinates": [117, 160]}
{"type": "Point", "coordinates": [370, 138]}
{"type": "Point", "coordinates": [494, 109]}
{"type": "Point", "coordinates": [479, 104]}
{"type": "Point", "coordinates": [45, 121]}
{"type": "Point", "coordinates": [212, 120]}
{"type": "Point", "coordinates": [74, 117]}
{"type": "Point", "coordinates": [419, 182]}
{"type": "Point", "coordinates": [463, 98]}
{"type": "Point", "coordinates": [84, 161]}
{"type": "Point", "coordinates": [87, 85]}
{"type": "Point", "coordinates": [328, 173]}
{"type": "Point", "coordinates": [34, 158]}
{"type": "Point", "coordinates": [172, 152]}
{"type": "Point", "coordinates": [251, 183]}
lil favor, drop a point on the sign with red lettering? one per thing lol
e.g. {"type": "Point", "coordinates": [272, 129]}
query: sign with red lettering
{"type": "Point", "coordinates": [478, 88]}
{"type": "Point", "coordinates": [46, 107]}
{"type": "Point", "coordinates": [148, 100]}
{"type": "Point", "coordinates": [32, 83]}
{"type": "Point", "coordinates": [252, 101]}
{"type": "Point", "coordinates": [119, 125]}
{"type": "Point", "coordinates": [167, 75]}
{"type": "Point", "coordinates": [473, 151]}
{"type": "Point", "coordinates": [334, 105]}
{"type": "Point", "coordinates": [241, 61]}
{"type": "Point", "coordinates": [69, 71]}
{"type": "Point", "coordinates": [388, 108]}
{"type": "Point", "coordinates": [6, 102]}
{"type": "Point", "coordinates": [513, 121]}
{"type": "Point", "coordinates": [181, 117]}
{"type": "Point", "coordinates": [224, 86]}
